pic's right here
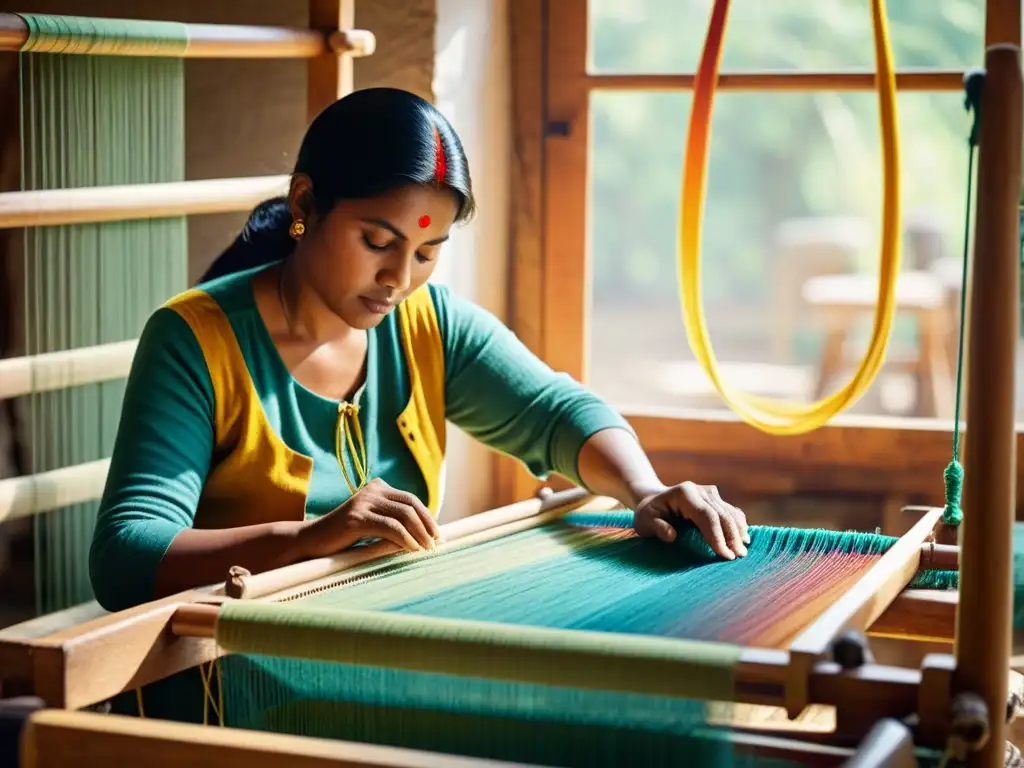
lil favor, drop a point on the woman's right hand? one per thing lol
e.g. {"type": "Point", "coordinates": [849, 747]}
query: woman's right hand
{"type": "Point", "coordinates": [374, 511]}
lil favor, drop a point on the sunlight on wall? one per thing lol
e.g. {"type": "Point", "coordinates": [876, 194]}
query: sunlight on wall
{"type": "Point", "coordinates": [471, 89]}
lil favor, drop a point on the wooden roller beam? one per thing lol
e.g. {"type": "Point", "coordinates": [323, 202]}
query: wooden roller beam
{"type": "Point", "coordinates": [234, 41]}
{"type": "Point", "coordinates": [86, 205]}
{"type": "Point", "coordinates": [760, 675]}
{"type": "Point", "coordinates": [70, 368]}
{"type": "Point", "coordinates": [922, 80]}
{"type": "Point", "coordinates": [44, 491]}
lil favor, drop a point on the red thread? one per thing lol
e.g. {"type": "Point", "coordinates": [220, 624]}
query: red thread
{"type": "Point", "coordinates": [440, 164]}
{"type": "Point", "coordinates": [424, 222]}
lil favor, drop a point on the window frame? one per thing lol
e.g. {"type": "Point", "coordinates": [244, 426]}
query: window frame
{"type": "Point", "coordinates": [899, 460]}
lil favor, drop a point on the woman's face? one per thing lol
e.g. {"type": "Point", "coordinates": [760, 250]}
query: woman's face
{"type": "Point", "coordinates": [366, 256]}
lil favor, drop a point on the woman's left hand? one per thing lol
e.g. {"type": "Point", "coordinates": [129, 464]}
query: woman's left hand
{"type": "Point", "coordinates": [723, 526]}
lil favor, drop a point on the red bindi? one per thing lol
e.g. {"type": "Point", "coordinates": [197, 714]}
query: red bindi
{"type": "Point", "coordinates": [424, 222]}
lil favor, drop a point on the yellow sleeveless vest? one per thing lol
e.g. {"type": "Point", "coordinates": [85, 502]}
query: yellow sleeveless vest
{"type": "Point", "coordinates": [256, 478]}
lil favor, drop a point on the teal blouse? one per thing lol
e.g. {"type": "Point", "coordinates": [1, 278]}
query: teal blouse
{"type": "Point", "coordinates": [495, 390]}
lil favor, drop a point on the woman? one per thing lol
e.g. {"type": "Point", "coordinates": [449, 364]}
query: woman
{"type": "Point", "coordinates": [295, 403]}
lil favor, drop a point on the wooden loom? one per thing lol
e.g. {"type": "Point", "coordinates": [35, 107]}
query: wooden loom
{"type": "Point", "coordinates": [89, 662]}
{"type": "Point", "coordinates": [85, 662]}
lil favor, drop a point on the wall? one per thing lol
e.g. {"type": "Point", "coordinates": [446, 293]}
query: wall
{"type": "Point", "coordinates": [471, 88]}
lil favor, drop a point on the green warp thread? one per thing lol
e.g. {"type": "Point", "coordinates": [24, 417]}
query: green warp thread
{"type": "Point", "coordinates": [952, 514]}
{"type": "Point", "coordinates": [116, 37]}
{"type": "Point", "coordinates": [92, 121]}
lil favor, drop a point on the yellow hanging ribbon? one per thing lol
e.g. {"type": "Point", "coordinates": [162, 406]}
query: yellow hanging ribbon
{"type": "Point", "coordinates": [773, 416]}
{"type": "Point", "coordinates": [348, 425]}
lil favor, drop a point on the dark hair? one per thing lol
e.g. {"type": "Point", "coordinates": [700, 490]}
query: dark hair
{"type": "Point", "coordinates": [362, 145]}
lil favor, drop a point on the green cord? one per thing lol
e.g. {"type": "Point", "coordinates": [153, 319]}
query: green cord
{"type": "Point", "coordinates": [954, 475]}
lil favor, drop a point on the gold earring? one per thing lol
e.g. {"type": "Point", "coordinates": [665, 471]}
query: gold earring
{"type": "Point", "coordinates": [297, 229]}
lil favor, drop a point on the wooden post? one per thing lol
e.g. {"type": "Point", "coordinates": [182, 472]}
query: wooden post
{"type": "Point", "coordinates": [329, 77]}
{"type": "Point", "coordinates": [983, 634]}
{"type": "Point", "coordinates": [566, 284]}
{"type": "Point", "coordinates": [1002, 22]}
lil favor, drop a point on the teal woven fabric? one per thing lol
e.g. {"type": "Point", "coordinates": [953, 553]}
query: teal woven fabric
{"type": "Point", "coordinates": [585, 574]}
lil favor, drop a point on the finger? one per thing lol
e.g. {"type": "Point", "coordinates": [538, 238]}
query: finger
{"type": "Point", "coordinates": [662, 529]}
{"type": "Point", "coordinates": [408, 518]}
{"type": "Point", "coordinates": [390, 529]}
{"type": "Point", "coordinates": [730, 529]}
{"type": "Point", "coordinates": [412, 500]}
{"type": "Point", "coordinates": [709, 522]}
{"type": "Point", "coordinates": [741, 520]}
{"type": "Point", "coordinates": [658, 527]}
{"type": "Point", "coordinates": [648, 523]}
{"type": "Point", "coordinates": [737, 514]}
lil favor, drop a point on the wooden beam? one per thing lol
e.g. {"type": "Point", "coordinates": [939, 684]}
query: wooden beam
{"type": "Point", "coordinates": [527, 22]}
{"type": "Point", "coordinates": [122, 202]}
{"type": "Point", "coordinates": [69, 368]}
{"type": "Point", "coordinates": [985, 610]}
{"type": "Point", "coordinates": [329, 77]}
{"type": "Point", "coordinates": [55, 739]}
{"type": "Point", "coordinates": [860, 456]}
{"type": "Point", "coordinates": [80, 665]}
{"type": "Point", "coordinates": [566, 277]}
{"type": "Point", "coordinates": [922, 615]}
{"type": "Point", "coordinates": [1003, 22]}
{"type": "Point", "coordinates": [234, 41]}
{"type": "Point", "coordinates": [45, 491]}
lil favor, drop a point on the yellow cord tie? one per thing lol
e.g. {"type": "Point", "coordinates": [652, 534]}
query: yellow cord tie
{"type": "Point", "coordinates": [206, 675]}
{"type": "Point", "coordinates": [348, 424]}
{"type": "Point", "coordinates": [773, 416]}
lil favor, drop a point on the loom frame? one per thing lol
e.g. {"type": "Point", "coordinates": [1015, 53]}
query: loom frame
{"type": "Point", "coordinates": [74, 666]}
{"type": "Point", "coordinates": [56, 738]}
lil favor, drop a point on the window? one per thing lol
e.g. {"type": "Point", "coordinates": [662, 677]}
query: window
{"type": "Point", "coordinates": [794, 191]}
{"type": "Point", "coordinates": [792, 217]}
